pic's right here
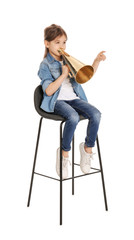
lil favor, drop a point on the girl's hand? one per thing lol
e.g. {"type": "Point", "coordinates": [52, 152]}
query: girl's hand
{"type": "Point", "coordinates": [65, 70]}
{"type": "Point", "coordinates": [101, 56]}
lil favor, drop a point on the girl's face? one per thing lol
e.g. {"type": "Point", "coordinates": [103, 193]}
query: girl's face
{"type": "Point", "coordinates": [55, 45]}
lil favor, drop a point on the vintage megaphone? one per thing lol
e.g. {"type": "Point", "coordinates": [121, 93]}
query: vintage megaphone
{"type": "Point", "coordinates": [81, 72]}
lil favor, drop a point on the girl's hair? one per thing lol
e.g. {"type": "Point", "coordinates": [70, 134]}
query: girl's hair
{"type": "Point", "coordinates": [51, 32]}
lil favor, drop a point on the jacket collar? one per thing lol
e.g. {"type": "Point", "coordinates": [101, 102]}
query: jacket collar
{"type": "Point", "coordinates": [50, 58]}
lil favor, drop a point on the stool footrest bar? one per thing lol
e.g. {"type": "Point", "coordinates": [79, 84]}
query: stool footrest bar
{"type": "Point", "coordinates": [82, 175]}
{"type": "Point", "coordinates": [46, 176]}
{"type": "Point", "coordinates": [91, 167]}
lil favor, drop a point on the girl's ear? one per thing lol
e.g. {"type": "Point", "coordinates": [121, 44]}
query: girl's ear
{"type": "Point", "coordinates": [46, 43]}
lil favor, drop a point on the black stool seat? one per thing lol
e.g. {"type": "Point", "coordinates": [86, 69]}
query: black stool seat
{"type": "Point", "coordinates": [38, 96]}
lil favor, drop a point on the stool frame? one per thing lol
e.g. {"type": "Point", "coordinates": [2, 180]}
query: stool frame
{"type": "Point", "coordinates": [96, 170]}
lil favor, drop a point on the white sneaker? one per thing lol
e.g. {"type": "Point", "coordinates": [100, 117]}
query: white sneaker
{"type": "Point", "coordinates": [64, 165]}
{"type": "Point", "coordinates": [85, 160]}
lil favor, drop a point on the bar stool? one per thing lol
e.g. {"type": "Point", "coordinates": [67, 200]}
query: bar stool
{"type": "Point", "coordinates": [38, 95]}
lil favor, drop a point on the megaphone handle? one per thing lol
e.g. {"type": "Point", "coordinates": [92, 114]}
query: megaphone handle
{"type": "Point", "coordinates": [70, 75]}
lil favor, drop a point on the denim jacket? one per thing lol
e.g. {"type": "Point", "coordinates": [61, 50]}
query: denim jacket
{"type": "Point", "coordinates": [50, 69]}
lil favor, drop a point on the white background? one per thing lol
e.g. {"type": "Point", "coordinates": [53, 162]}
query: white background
{"type": "Point", "coordinates": [92, 26]}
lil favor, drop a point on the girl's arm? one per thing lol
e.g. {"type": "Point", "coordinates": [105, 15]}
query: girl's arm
{"type": "Point", "coordinates": [100, 57]}
{"type": "Point", "coordinates": [53, 87]}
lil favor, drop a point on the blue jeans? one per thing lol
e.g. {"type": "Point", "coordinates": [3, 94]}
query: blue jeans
{"type": "Point", "coordinates": [70, 110]}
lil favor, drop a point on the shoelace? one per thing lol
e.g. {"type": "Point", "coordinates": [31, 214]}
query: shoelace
{"type": "Point", "coordinates": [65, 162]}
{"type": "Point", "coordinates": [91, 155]}
{"type": "Point", "coordinates": [88, 158]}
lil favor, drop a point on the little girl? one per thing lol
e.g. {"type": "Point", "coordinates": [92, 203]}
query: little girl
{"type": "Point", "coordinates": [65, 97]}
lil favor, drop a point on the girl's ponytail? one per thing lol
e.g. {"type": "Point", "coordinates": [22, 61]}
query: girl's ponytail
{"type": "Point", "coordinates": [46, 52]}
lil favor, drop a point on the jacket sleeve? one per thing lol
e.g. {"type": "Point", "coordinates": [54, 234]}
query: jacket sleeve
{"type": "Point", "coordinates": [45, 76]}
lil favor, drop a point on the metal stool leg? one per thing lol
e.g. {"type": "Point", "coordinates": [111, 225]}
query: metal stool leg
{"type": "Point", "coordinates": [61, 172]}
{"type": "Point", "coordinates": [34, 163]}
{"type": "Point", "coordinates": [102, 175]}
{"type": "Point", "coordinates": [73, 166]}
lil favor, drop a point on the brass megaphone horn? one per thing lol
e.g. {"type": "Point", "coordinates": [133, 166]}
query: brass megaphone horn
{"type": "Point", "coordinates": [81, 72]}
